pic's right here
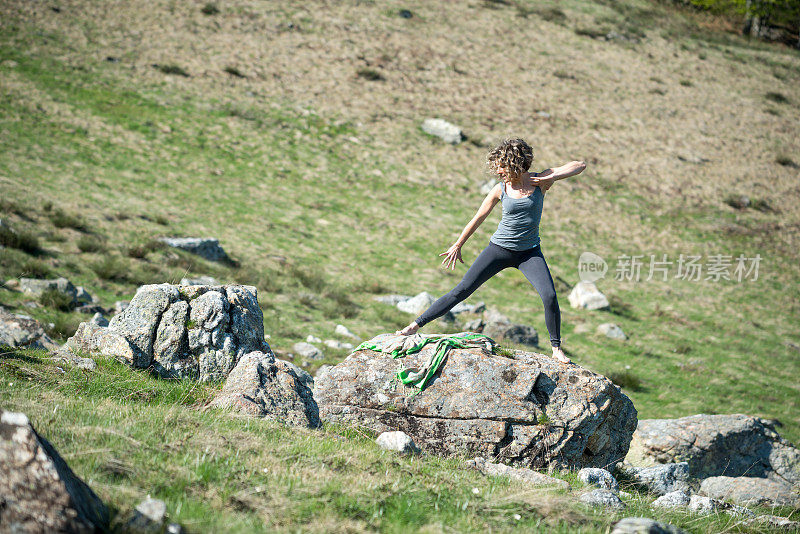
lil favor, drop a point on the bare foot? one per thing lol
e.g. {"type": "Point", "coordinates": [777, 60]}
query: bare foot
{"type": "Point", "coordinates": [410, 329]}
{"type": "Point", "coordinates": [559, 355]}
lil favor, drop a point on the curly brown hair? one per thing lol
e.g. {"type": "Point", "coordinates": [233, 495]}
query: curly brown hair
{"type": "Point", "coordinates": [514, 154]}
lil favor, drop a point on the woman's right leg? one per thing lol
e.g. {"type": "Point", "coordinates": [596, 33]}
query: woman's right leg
{"type": "Point", "coordinates": [489, 262]}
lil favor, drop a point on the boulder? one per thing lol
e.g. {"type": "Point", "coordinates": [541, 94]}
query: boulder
{"type": "Point", "coordinates": [180, 331]}
{"type": "Point", "coordinates": [205, 247]}
{"type": "Point", "coordinates": [751, 491]}
{"type": "Point", "coordinates": [643, 525]}
{"type": "Point", "coordinates": [449, 133]}
{"type": "Point", "coordinates": [398, 442]}
{"type": "Point", "coordinates": [585, 295]}
{"type": "Point", "coordinates": [594, 476]}
{"type": "Point", "coordinates": [602, 498]}
{"type": "Point", "coordinates": [23, 332]}
{"type": "Point", "coordinates": [262, 386]}
{"type": "Point", "coordinates": [38, 490]}
{"type": "Point", "coordinates": [527, 409]}
{"type": "Point", "coordinates": [528, 476]}
{"type": "Point", "coordinates": [35, 286]}
{"type": "Point", "coordinates": [717, 445]}
{"type": "Point", "coordinates": [661, 479]}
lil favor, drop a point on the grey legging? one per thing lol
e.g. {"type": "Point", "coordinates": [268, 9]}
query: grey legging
{"type": "Point", "coordinates": [491, 261]}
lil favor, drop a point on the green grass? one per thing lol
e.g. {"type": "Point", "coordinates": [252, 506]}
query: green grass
{"type": "Point", "coordinates": [131, 435]}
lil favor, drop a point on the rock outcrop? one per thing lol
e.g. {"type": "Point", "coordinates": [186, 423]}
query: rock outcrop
{"type": "Point", "coordinates": [23, 332]}
{"type": "Point", "coordinates": [736, 457]}
{"type": "Point", "coordinates": [181, 331]}
{"type": "Point", "coordinates": [262, 386]}
{"type": "Point", "coordinates": [38, 490]}
{"type": "Point", "coordinates": [205, 247]}
{"type": "Point", "coordinates": [526, 410]}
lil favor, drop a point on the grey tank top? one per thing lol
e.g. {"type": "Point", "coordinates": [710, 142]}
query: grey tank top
{"type": "Point", "coordinates": [519, 226]}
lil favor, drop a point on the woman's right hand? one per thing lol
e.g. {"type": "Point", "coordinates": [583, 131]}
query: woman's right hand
{"type": "Point", "coordinates": [451, 255]}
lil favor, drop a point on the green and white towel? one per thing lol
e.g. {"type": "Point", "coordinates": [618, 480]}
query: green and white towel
{"type": "Point", "coordinates": [400, 346]}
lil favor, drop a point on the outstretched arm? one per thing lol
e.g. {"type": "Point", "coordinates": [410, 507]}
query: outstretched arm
{"type": "Point", "coordinates": [453, 254]}
{"type": "Point", "coordinates": [548, 176]}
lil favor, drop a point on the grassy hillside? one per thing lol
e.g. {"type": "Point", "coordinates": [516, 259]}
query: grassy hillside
{"type": "Point", "coordinates": [291, 133]}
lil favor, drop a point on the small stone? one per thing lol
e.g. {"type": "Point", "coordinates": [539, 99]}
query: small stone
{"type": "Point", "coordinates": [334, 344]}
{"type": "Point", "coordinates": [673, 499]}
{"type": "Point", "coordinates": [99, 320]}
{"type": "Point", "coordinates": [397, 441]}
{"type": "Point", "coordinates": [417, 304]}
{"type": "Point", "coordinates": [311, 338]}
{"type": "Point", "coordinates": [148, 516]}
{"type": "Point", "coordinates": [594, 476]}
{"type": "Point", "coordinates": [704, 505]}
{"type": "Point", "coordinates": [585, 295]}
{"type": "Point", "coordinates": [120, 305]}
{"type": "Point", "coordinates": [205, 247]}
{"type": "Point", "coordinates": [543, 114]}
{"type": "Point", "coordinates": [449, 133]}
{"type": "Point", "coordinates": [602, 498]}
{"type": "Point", "coordinates": [81, 295]}
{"type": "Point", "coordinates": [662, 478]}
{"type": "Point", "coordinates": [643, 525]}
{"type": "Point", "coordinates": [528, 476]}
{"type": "Point", "coordinates": [308, 351]}
{"type": "Point", "coordinates": [343, 331]}
{"type": "Point", "coordinates": [200, 281]}
{"type": "Point", "coordinates": [612, 331]}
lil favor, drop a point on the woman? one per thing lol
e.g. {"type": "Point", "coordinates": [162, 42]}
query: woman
{"type": "Point", "coordinates": [516, 241]}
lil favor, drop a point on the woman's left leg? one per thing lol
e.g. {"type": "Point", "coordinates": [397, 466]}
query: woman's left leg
{"type": "Point", "coordinates": [535, 269]}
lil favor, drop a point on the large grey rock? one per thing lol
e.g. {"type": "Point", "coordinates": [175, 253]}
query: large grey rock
{"type": "Point", "coordinates": [181, 331]}
{"type": "Point", "coordinates": [397, 441]}
{"type": "Point", "coordinates": [528, 476]}
{"type": "Point", "coordinates": [171, 347]}
{"type": "Point", "coordinates": [138, 322]}
{"type": "Point", "coordinates": [262, 386]}
{"type": "Point", "coordinates": [21, 331]}
{"type": "Point", "coordinates": [717, 445]}
{"type": "Point", "coordinates": [662, 479]}
{"type": "Point", "coordinates": [35, 286]}
{"type": "Point", "coordinates": [38, 490]}
{"type": "Point", "coordinates": [751, 491]}
{"type": "Point", "coordinates": [602, 498]}
{"type": "Point", "coordinates": [585, 295]}
{"type": "Point", "coordinates": [417, 304]}
{"type": "Point", "coordinates": [643, 525]}
{"type": "Point", "coordinates": [595, 476]}
{"type": "Point", "coordinates": [205, 247]}
{"type": "Point", "coordinates": [447, 132]}
{"type": "Point", "coordinates": [486, 405]}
